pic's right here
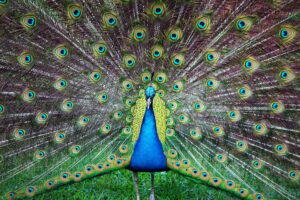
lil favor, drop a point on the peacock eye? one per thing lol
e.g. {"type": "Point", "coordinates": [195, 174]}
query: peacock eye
{"type": "Point", "coordinates": [31, 21]}
{"type": "Point", "coordinates": [210, 83]}
{"type": "Point", "coordinates": [27, 59]}
{"type": "Point", "coordinates": [96, 76]}
{"type": "Point", "coordinates": [111, 21]}
{"type": "Point", "coordinates": [279, 148]}
{"type": "Point", "coordinates": [177, 61]}
{"type": "Point", "coordinates": [242, 91]}
{"type": "Point", "coordinates": [283, 74]}
{"type": "Point", "coordinates": [275, 105]}
{"type": "Point", "coordinates": [129, 62]}
{"type": "Point", "coordinates": [232, 114]}
{"type": "Point", "coordinates": [62, 83]}
{"type": "Point", "coordinates": [139, 35]}
{"type": "Point", "coordinates": [63, 52]}
{"type": "Point", "coordinates": [210, 56]}
{"type": "Point", "coordinates": [76, 13]}
{"type": "Point", "coordinates": [30, 94]}
{"type": "Point", "coordinates": [248, 64]}
{"type": "Point", "coordinates": [3, 1]}
{"type": "Point", "coordinates": [158, 11]}
{"type": "Point", "coordinates": [258, 127]}
{"type": "Point", "coordinates": [101, 49]}
{"type": "Point", "coordinates": [293, 174]}
{"type": "Point", "coordinates": [156, 53]}
{"type": "Point", "coordinates": [242, 24]}
{"type": "Point", "coordinates": [104, 97]}
{"type": "Point", "coordinates": [201, 24]}
{"type": "Point", "coordinates": [174, 36]}
{"type": "Point", "coordinates": [284, 33]}
{"type": "Point", "coordinates": [128, 86]}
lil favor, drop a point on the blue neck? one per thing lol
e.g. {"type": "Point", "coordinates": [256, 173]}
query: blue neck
{"type": "Point", "coordinates": [148, 155]}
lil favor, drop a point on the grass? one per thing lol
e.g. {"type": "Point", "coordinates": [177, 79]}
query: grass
{"type": "Point", "coordinates": [119, 185]}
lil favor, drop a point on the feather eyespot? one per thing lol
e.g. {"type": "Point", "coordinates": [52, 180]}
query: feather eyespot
{"type": "Point", "coordinates": [277, 107]}
{"type": "Point", "coordinates": [29, 21]}
{"type": "Point", "coordinates": [30, 191]}
{"type": "Point", "coordinates": [61, 52]}
{"type": "Point", "coordinates": [109, 20]}
{"type": "Point", "coordinates": [59, 137]}
{"type": "Point", "coordinates": [99, 49]}
{"type": "Point", "coordinates": [41, 118]}
{"type": "Point", "coordinates": [202, 23]}
{"type": "Point", "coordinates": [158, 9]}
{"type": "Point", "coordinates": [138, 34]}
{"type": "Point", "coordinates": [74, 11]}
{"type": "Point", "coordinates": [241, 145]}
{"type": "Point", "coordinates": [287, 34]}
{"type": "Point", "coordinates": [178, 60]}
{"type": "Point", "coordinates": [157, 51]}
{"type": "Point", "coordinates": [243, 23]}
{"type": "Point", "coordinates": [229, 184]}
{"type": "Point", "coordinates": [11, 195]}
{"type": "Point", "coordinates": [67, 105]}
{"type": "Point", "coordinates": [174, 34]}
{"type": "Point", "coordinates": [2, 109]}
{"type": "Point", "coordinates": [83, 121]}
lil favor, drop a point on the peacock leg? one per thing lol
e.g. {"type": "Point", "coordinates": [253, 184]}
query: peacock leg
{"type": "Point", "coordinates": [152, 187]}
{"type": "Point", "coordinates": [135, 180]}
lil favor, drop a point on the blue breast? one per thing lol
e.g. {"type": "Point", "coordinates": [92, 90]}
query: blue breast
{"type": "Point", "coordinates": [148, 155]}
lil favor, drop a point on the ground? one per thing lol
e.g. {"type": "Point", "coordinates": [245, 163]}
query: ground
{"type": "Point", "coordinates": [119, 185]}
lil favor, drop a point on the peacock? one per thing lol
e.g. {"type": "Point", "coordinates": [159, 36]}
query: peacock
{"type": "Point", "coordinates": [209, 90]}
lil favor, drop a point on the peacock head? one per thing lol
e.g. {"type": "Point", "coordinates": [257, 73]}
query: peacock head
{"type": "Point", "coordinates": [150, 92]}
